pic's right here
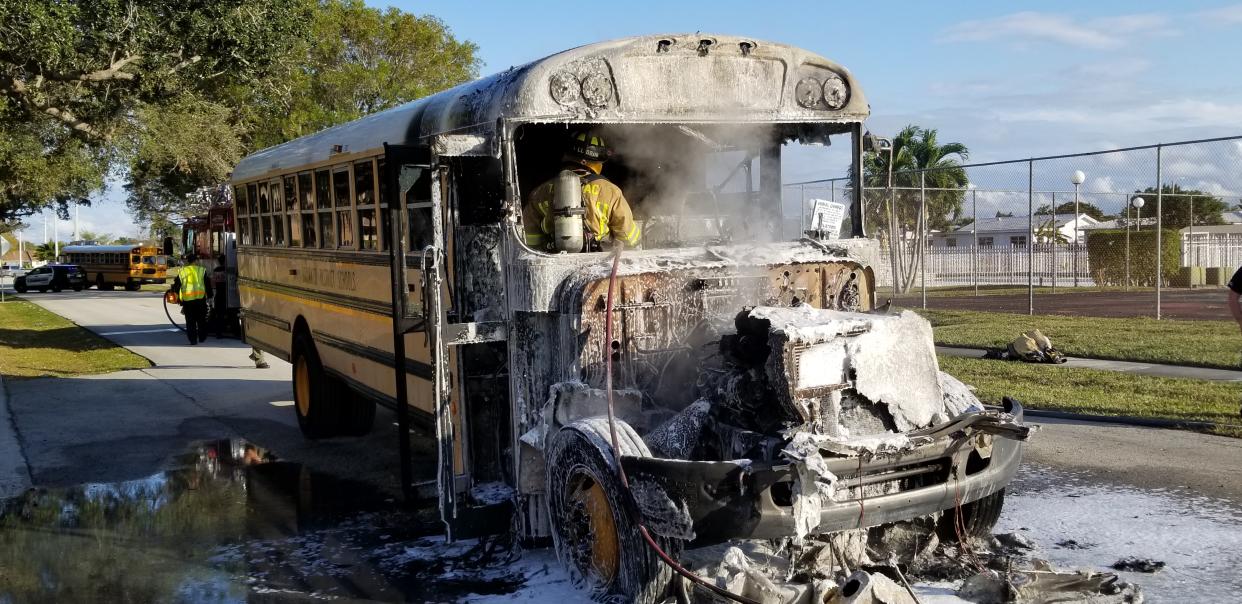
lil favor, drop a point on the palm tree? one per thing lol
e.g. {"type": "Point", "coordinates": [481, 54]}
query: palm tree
{"type": "Point", "coordinates": [918, 159]}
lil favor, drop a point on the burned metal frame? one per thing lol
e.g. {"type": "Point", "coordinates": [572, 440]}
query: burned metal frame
{"type": "Point", "coordinates": [752, 500]}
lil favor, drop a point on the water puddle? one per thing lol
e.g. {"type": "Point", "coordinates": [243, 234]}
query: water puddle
{"type": "Point", "coordinates": [232, 524]}
{"type": "Point", "coordinates": [1080, 521]}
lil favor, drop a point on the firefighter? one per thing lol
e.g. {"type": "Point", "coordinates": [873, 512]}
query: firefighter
{"type": "Point", "coordinates": [194, 288]}
{"type": "Point", "coordinates": [605, 212]}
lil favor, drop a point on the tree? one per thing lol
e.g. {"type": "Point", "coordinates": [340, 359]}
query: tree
{"type": "Point", "coordinates": [46, 251]}
{"type": "Point", "coordinates": [360, 60]}
{"type": "Point", "coordinates": [125, 241]}
{"type": "Point", "coordinates": [1176, 204]}
{"type": "Point", "coordinates": [352, 60]}
{"type": "Point", "coordinates": [915, 149]}
{"type": "Point", "coordinates": [100, 238]}
{"type": "Point", "coordinates": [1068, 208]}
{"type": "Point", "coordinates": [84, 85]}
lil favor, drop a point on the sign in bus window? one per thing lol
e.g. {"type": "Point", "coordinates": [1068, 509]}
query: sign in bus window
{"type": "Point", "coordinates": [369, 234]}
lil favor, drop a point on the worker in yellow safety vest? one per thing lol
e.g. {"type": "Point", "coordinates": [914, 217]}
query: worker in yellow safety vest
{"type": "Point", "coordinates": [194, 288]}
{"type": "Point", "coordinates": [605, 212]}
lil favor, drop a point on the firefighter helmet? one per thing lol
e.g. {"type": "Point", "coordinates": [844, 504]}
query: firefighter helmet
{"type": "Point", "coordinates": [588, 145]}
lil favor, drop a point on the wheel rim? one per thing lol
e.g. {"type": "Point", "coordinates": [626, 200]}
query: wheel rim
{"type": "Point", "coordinates": [301, 386]}
{"type": "Point", "coordinates": [591, 522]}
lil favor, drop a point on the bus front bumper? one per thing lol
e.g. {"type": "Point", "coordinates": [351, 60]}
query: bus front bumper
{"type": "Point", "coordinates": [967, 459]}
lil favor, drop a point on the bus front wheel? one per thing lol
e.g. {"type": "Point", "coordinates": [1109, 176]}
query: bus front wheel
{"type": "Point", "coordinates": [311, 390]}
{"type": "Point", "coordinates": [132, 286]}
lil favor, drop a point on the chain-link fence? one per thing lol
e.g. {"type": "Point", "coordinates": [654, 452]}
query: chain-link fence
{"type": "Point", "coordinates": [1142, 231]}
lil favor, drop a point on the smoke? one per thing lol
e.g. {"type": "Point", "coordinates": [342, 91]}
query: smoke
{"type": "Point", "coordinates": [699, 184]}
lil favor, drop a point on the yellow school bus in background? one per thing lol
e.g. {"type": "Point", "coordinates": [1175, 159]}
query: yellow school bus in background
{"type": "Point", "coordinates": [107, 266]}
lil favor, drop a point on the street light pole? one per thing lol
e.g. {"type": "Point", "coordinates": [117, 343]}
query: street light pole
{"type": "Point", "coordinates": [1077, 178]}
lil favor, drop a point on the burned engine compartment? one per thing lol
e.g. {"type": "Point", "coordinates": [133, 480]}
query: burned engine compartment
{"type": "Point", "coordinates": [780, 420]}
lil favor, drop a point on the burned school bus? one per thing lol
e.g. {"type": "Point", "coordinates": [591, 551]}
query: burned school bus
{"type": "Point", "coordinates": [756, 391]}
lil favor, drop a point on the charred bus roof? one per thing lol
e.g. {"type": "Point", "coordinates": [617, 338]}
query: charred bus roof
{"type": "Point", "coordinates": [682, 78]}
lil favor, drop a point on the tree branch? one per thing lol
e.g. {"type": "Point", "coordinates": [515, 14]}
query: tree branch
{"type": "Point", "coordinates": [112, 72]}
{"type": "Point", "coordinates": [17, 90]}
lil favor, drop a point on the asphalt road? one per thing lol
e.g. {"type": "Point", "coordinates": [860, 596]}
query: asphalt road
{"type": "Point", "coordinates": [1112, 490]}
{"type": "Point", "coordinates": [130, 424]}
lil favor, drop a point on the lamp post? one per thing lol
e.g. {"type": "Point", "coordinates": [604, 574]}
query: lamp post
{"type": "Point", "coordinates": [1077, 178]}
{"type": "Point", "coordinates": [1137, 204]}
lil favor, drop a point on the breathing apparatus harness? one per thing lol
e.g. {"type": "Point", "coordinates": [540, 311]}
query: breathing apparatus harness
{"type": "Point", "coordinates": [568, 210]}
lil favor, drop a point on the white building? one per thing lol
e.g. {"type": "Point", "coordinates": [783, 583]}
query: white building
{"type": "Point", "coordinates": [1012, 231]}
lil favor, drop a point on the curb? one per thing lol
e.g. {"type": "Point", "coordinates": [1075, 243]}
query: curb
{"type": "Point", "coordinates": [1127, 420]}
{"type": "Point", "coordinates": [16, 479]}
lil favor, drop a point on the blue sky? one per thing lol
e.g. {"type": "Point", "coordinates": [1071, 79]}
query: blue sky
{"type": "Point", "coordinates": [1009, 80]}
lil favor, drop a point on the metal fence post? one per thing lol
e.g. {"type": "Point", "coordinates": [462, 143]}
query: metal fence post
{"type": "Point", "coordinates": [802, 211]}
{"type": "Point", "coordinates": [974, 235]}
{"type": "Point", "coordinates": [923, 238]}
{"type": "Point", "coordinates": [1077, 233]}
{"type": "Point", "coordinates": [1128, 206]}
{"type": "Point", "coordinates": [1159, 226]}
{"type": "Point", "coordinates": [1190, 237]}
{"type": "Point", "coordinates": [1053, 235]}
{"type": "Point", "coordinates": [1030, 236]}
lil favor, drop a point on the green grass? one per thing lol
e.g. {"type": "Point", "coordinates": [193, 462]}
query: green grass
{"type": "Point", "coordinates": [38, 343]}
{"type": "Point", "coordinates": [1197, 343]}
{"type": "Point", "coordinates": [1005, 290]}
{"type": "Point", "coordinates": [1091, 391]}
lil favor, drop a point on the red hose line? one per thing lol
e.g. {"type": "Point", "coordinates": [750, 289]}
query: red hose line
{"type": "Point", "coordinates": [616, 449]}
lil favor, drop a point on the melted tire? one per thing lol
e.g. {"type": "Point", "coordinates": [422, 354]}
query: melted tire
{"type": "Point", "coordinates": [581, 455]}
{"type": "Point", "coordinates": [979, 517]}
{"type": "Point", "coordinates": [312, 393]}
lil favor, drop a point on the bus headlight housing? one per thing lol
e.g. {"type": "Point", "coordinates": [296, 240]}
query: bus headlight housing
{"type": "Point", "coordinates": [836, 93]}
{"type": "Point", "coordinates": [565, 88]}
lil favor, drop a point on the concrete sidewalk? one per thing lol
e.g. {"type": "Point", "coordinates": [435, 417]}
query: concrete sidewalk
{"type": "Point", "coordinates": [14, 473]}
{"type": "Point", "coordinates": [1152, 369]}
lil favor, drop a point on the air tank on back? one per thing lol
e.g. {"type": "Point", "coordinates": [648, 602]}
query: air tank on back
{"type": "Point", "coordinates": [567, 212]}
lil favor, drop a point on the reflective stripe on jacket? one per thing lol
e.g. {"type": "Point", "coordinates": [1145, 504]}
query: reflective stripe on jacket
{"type": "Point", "coordinates": [192, 285]}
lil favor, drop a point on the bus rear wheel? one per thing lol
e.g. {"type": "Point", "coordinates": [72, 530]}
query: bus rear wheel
{"type": "Point", "coordinates": [100, 284]}
{"type": "Point", "coordinates": [311, 390]}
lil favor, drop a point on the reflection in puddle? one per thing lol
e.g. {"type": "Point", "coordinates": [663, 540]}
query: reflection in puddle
{"type": "Point", "coordinates": [1081, 522]}
{"type": "Point", "coordinates": [231, 524]}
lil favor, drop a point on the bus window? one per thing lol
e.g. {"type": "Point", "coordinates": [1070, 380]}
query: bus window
{"type": "Point", "coordinates": [306, 197]}
{"type": "Point", "coordinates": [323, 201]}
{"type": "Point", "coordinates": [364, 194]}
{"type": "Point", "coordinates": [265, 220]}
{"type": "Point", "coordinates": [252, 211]}
{"type": "Point", "coordinates": [344, 208]}
{"type": "Point", "coordinates": [294, 221]}
{"type": "Point", "coordinates": [278, 214]}
{"type": "Point", "coordinates": [240, 210]}
{"type": "Point", "coordinates": [383, 203]}
{"type": "Point", "coordinates": [418, 202]}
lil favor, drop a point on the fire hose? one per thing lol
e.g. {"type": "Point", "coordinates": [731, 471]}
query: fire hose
{"type": "Point", "coordinates": [168, 314]}
{"type": "Point", "coordinates": [612, 428]}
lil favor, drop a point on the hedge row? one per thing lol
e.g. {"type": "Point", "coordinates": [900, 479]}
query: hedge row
{"type": "Point", "coordinates": [1106, 252]}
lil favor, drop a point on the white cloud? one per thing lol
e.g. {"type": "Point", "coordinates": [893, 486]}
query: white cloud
{"type": "Point", "coordinates": [1100, 34]}
{"type": "Point", "coordinates": [1225, 15]}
